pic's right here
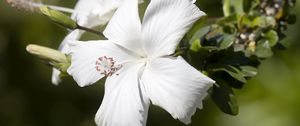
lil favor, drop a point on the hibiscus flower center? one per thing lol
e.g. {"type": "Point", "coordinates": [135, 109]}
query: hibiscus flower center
{"type": "Point", "coordinates": [107, 65]}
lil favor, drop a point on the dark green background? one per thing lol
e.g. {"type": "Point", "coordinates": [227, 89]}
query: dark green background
{"type": "Point", "coordinates": [27, 97]}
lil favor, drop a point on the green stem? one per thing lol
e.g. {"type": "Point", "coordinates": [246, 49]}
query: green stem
{"type": "Point", "coordinates": [90, 30]}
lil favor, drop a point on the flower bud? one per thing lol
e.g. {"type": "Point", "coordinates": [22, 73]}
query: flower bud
{"type": "Point", "coordinates": [55, 58]}
{"type": "Point", "coordinates": [58, 17]}
{"type": "Point", "coordinates": [47, 54]}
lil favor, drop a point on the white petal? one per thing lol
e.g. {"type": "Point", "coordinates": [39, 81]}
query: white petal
{"type": "Point", "coordinates": [55, 76]}
{"type": "Point", "coordinates": [64, 48]}
{"type": "Point", "coordinates": [86, 54]}
{"type": "Point", "coordinates": [165, 23]}
{"type": "Point", "coordinates": [72, 36]}
{"type": "Point", "coordinates": [124, 102]}
{"type": "Point", "coordinates": [177, 87]}
{"type": "Point", "coordinates": [91, 13]}
{"type": "Point", "coordinates": [125, 26]}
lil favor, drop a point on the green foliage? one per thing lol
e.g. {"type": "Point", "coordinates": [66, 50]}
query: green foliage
{"type": "Point", "coordinates": [232, 6]}
{"type": "Point", "coordinates": [231, 48]}
{"type": "Point", "coordinates": [224, 98]}
{"type": "Point", "coordinates": [249, 71]}
{"type": "Point", "coordinates": [232, 71]}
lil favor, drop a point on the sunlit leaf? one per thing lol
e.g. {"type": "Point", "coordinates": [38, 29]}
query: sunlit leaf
{"type": "Point", "coordinates": [232, 6]}
{"type": "Point", "coordinates": [263, 49]}
{"type": "Point", "coordinates": [200, 33]}
{"type": "Point", "coordinates": [233, 72]}
{"type": "Point", "coordinates": [195, 46]}
{"type": "Point", "coordinates": [249, 71]}
{"type": "Point", "coordinates": [272, 36]}
{"type": "Point", "coordinates": [227, 41]}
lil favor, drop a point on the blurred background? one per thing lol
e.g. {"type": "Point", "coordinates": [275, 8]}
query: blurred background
{"type": "Point", "coordinates": [27, 97]}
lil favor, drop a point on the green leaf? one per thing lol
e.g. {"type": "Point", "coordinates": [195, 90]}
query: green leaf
{"type": "Point", "coordinates": [283, 44]}
{"type": "Point", "coordinates": [232, 6]}
{"type": "Point", "coordinates": [224, 98]}
{"type": "Point", "coordinates": [210, 48]}
{"type": "Point", "coordinates": [249, 71]}
{"type": "Point", "coordinates": [227, 41]}
{"type": "Point", "coordinates": [59, 17]}
{"type": "Point", "coordinates": [263, 49]}
{"type": "Point", "coordinates": [200, 33]}
{"type": "Point", "coordinates": [229, 19]}
{"type": "Point", "coordinates": [239, 47]}
{"type": "Point", "coordinates": [264, 21]}
{"type": "Point", "coordinates": [195, 46]}
{"type": "Point", "coordinates": [195, 41]}
{"type": "Point", "coordinates": [233, 72]}
{"type": "Point", "coordinates": [246, 21]}
{"type": "Point", "coordinates": [272, 36]}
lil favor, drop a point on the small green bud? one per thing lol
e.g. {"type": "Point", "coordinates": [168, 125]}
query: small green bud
{"type": "Point", "coordinates": [58, 17]}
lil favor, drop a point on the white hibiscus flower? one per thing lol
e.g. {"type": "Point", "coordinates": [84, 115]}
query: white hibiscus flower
{"type": "Point", "coordinates": [87, 13]}
{"type": "Point", "coordinates": [136, 60]}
